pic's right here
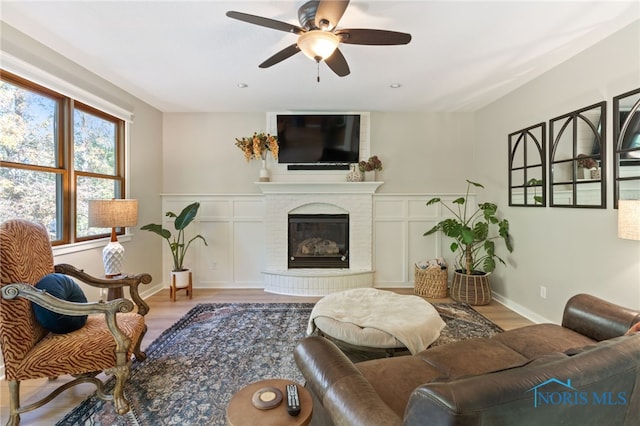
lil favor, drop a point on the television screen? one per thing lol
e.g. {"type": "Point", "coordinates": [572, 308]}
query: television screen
{"type": "Point", "coordinates": [320, 138]}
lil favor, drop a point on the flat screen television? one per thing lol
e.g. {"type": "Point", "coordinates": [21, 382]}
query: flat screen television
{"type": "Point", "coordinates": [318, 138]}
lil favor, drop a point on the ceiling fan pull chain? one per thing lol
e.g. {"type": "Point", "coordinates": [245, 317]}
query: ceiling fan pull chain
{"type": "Point", "coordinates": [318, 65]}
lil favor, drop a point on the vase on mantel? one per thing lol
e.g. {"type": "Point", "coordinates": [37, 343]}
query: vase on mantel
{"type": "Point", "coordinates": [264, 171]}
{"type": "Point", "coordinates": [370, 176]}
{"type": "Point", "coordinates": [354, 174]}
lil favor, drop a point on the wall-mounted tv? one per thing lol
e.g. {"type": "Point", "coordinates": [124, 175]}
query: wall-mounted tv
{"type": "Point", "coordinates": [318, 138]}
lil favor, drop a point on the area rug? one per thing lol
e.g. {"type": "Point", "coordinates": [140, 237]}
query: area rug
{"type": "Point", "coordinates": [193, 368]}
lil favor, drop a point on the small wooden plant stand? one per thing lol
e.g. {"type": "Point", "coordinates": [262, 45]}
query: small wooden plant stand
{"type": "Point", "coordinates": [173, 288]}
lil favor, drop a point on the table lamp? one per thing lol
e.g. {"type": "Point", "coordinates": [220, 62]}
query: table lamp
{"type": "Point", "coordinates": [629, 219]}
{"type": "Point", "coordinates": [113, 214]}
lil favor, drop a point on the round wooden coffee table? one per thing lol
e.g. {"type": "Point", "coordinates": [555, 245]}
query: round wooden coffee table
{"type": "Point", "coordinates": [241, 412]}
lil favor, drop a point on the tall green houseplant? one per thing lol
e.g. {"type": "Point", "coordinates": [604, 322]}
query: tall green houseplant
{"type": "Point", "coordinates": [471, 230]}
{"type": "Point", "coordinates": [474, 231]}
{"type": "Point", "coordinates": [177, 242]}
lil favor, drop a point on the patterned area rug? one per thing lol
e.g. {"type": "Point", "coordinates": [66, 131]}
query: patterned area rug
{"type": "Point", "coordinates": [194, 367]}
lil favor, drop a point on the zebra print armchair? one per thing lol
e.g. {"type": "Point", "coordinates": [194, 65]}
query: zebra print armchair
{"type": "Point", "coordinates": [111, 334]}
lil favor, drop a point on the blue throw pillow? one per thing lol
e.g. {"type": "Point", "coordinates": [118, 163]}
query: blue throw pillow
{"type": "Point", "coordinates": [62, 287]}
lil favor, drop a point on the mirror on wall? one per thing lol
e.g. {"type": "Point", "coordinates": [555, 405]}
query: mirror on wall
{"type": "Point", "coordinates": [577, 172]}
{"type": "Point", "coordinates": [527, 165]}
{"type": "Point", "coordinates": [626, 146]}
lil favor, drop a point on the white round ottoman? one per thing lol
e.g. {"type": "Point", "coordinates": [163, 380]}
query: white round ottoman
{"type": "Point", "coordinates": [368, 318]}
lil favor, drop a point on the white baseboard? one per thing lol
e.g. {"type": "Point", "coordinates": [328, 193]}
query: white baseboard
{"type": "Point", "coordinates": [520, 310]}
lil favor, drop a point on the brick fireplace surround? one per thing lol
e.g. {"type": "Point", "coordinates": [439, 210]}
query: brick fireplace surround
{"type": "Point", "coordinates": [352, 198]}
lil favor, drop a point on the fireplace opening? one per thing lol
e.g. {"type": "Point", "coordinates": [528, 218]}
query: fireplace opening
{"type": "Point", "coordinates": [318, 241]}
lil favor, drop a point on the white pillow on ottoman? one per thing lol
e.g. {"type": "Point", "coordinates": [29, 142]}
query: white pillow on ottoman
{"type": "Point", "coordinates": [374, 318]}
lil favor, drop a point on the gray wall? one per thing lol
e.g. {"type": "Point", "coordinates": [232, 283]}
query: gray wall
{"type": "Point", "coordinates": [417, 150]}
{"type": "Point", "coordinates": [567, 250]}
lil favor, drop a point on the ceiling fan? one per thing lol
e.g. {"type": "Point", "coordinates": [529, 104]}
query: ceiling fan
{"type": "Point", "coordinates": [318, 35]}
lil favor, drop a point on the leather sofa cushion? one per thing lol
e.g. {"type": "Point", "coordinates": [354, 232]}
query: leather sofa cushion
{"type": "Point", "coordinates": [460, 359]}
{"type": "Point", "coordinates": [472, 357]}
{"type": "Point", "coordinates": [383, 375]}
{"type": "Point", "coordinates": [536, 340]}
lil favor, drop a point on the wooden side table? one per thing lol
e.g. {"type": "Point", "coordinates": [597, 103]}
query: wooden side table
{"type": "Point", "coordinates": [241, 412]}
{"type": "Point", "coordinates": [115, 292]}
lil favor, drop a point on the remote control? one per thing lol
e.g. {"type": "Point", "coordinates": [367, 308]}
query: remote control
{"type": "Point", "coordinates": [293, 401]}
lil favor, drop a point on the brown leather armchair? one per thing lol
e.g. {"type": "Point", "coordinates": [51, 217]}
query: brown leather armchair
{"type": "Point", "coordinates": [104, 344]}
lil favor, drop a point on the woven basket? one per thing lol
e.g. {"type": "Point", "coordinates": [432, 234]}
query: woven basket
{"type": "Point", "coordinates": [471, 289]}
{"type": "Point", "coordinates": [431, 282]}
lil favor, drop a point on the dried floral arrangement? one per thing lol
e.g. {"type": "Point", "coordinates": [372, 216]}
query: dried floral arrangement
{"type": "Point", "coordinates": [586, 162]}
{"type": "Point", "coordinates": [373, 163]}
{"type": "Point", "coordinates": [256, 146]}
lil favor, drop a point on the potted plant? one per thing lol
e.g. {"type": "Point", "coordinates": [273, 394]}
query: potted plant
{"type": "Point", "coordinates": [474, 233]}
{"type": "Point", "coordinates": [371, 165]}
{"type": "Point", "coordinates": [176, 242]}
{"type": "Point", "coordinates": [585, 164]}
{"type": "Point", "coordinates": [535, 183]}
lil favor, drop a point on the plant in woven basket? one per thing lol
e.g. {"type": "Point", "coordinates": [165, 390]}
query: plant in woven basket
{"type": "Point", "coordinates": [474, 233]}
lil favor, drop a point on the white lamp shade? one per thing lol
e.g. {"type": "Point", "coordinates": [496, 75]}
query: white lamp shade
{"type": "Point", "coordinates": [318, 45]}
{"type": "Point", "coordinates": [629, 219]}
{"type": "Point", "coordinates": [113, 213]}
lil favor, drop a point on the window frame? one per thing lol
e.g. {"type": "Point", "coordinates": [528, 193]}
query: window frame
{"type": "Point", "coordinates": [66, 202]}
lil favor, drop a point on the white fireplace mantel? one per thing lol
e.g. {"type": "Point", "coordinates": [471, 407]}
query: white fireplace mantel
{"type": "Point", "coordinates": [318, 187]}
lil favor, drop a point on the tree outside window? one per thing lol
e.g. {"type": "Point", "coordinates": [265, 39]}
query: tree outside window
{"type": "Point", "coordinates": [55, 155]}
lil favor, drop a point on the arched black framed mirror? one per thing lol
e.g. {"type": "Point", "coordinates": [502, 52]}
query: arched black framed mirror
{"type": "Point", "coordinates": [577, 150]}
{"type": "Point", "coordinates": [527, 167]}
{"type": "Point", "coordinates": [626, 146]}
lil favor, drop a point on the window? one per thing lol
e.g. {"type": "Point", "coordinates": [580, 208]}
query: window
{"type": "Point", "coordinates": [55, 154]}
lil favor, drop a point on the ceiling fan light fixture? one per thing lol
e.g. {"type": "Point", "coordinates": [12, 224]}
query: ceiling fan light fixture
{"type": "Point", "coordinates": [318, 44]}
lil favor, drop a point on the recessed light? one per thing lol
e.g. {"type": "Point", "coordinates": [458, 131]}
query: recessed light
{"type": "Point", "coordinates": [243, 85]}
{"type": "Point", "coordinates": [395, 85]}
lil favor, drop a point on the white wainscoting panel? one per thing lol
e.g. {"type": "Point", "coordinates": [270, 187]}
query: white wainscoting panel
{"type": "Point", "coordinates": [400, 220]}
{"type": "Point", "coordinates": [235, 229]}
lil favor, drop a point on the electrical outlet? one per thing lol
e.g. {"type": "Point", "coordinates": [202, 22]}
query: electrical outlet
{"type": "Point", "coordinates": [543, 292]}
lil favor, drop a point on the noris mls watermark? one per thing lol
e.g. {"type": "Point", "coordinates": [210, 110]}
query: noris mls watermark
{"type": "Point", "coordinates": [555, 392]}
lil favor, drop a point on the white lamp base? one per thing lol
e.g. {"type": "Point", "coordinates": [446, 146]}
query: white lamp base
{"type": "Point", "coordinates": [113, 257]}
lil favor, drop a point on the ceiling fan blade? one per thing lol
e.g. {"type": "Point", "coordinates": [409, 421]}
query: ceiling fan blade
{"type": "Point", "coordinates": [372, 37]}
{"type": "Point", "coordinates": [338, 63]}
{"type": "Point", "coordinates": [265, 22]}
{"type": "Point", "coordinates": [280, 56]}
{"type": "Point", "coordinates": [329, 13]}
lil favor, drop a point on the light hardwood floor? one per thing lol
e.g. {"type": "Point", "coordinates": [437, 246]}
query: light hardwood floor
{"type": "Point", "coordinates": [164, 313]}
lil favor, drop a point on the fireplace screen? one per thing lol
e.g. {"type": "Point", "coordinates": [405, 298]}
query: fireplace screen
{"type": "Point", "coordinates": [319, 241]}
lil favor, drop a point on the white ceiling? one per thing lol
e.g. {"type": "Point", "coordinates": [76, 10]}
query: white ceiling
{"type": "Point", "coordinates": [190, 57]}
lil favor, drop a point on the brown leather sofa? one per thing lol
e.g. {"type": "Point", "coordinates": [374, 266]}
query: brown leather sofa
{"type": "Point", "coordinates": [583, 372]}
